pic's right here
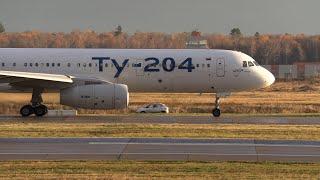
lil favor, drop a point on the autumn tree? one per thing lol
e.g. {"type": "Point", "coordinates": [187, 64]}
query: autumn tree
{"type": "Point", "coordinates": [265, 48]}
{"type": "Point", "coordinates": [90, 39]}
{"type": "Point", "coordinates": [2, 29]}
{"type": "Point", "coordinates": [76, 39]}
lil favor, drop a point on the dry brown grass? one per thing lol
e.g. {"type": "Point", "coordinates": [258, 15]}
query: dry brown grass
{"type": "Point", "coordinates": [57, 129]}
{"type": "Point", "coordinates": [283, 97]}
{"type": "Point", "coordinates": [155, 170]}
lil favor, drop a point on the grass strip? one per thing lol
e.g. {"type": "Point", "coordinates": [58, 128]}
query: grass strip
{"type": "Point", "coordinates": [51, 129]}
{"type": "Point", "coordinates": [156, 170]}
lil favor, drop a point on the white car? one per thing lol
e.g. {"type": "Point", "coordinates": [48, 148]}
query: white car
{"type": "Point", "coordinates": [154, 108]}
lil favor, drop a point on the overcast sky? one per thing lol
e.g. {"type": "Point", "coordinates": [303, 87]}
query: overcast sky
{"type": "Point", "coordinates": [212, 16]}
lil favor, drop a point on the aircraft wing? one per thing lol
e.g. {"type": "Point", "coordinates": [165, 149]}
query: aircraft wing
{"type": "Point", "coordinates": [35, 80]}
{"type": "Point", "coordinates": [9, 76]}
{"type": "Point", "coordinates": [22, 80]}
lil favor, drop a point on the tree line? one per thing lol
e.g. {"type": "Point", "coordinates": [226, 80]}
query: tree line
{"type": "Point", "coordinates": [265, 48]}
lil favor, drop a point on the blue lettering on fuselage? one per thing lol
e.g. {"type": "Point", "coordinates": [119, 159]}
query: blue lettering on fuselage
{"type": "Point", "coordinates": [168, 64]}
{"type": "Point", "coordinates": [119, 68]}
{"type": "Point", "coordinates": [101, 60]}
{"type": "Point", "coordinates": [115, 63]}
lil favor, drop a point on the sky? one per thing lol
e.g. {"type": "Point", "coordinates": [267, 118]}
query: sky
{"type": "Point", "coordinates": [209, 16]}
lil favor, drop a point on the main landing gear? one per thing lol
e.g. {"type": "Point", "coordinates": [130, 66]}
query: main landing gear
{"type": "Point", "coordinates": [216, 111]}
{"type": "Point", "coordinates": [36, 107]}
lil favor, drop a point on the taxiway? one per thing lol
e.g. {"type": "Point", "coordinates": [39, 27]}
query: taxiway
{"type": "Point", "coordinates": [158, 149]}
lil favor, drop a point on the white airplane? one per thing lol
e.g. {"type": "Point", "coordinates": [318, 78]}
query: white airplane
{"type": "Point", "coordinates": [102, 78]}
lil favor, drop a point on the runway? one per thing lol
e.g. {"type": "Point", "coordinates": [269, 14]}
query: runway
{"type": "Point", "coordinates": [171, 119]}
{"type": "Point", "coordinates": [155, 149]}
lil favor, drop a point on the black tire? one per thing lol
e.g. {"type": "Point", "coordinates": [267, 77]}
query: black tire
{"type": "Point", "coordinates": [142, 112]}
{"type": "Point", "coordinates": [26, 111]}
{"type": "Point", "coordinates": [40, 110]}
{"type": "Point", "coordinates": [216, 112]}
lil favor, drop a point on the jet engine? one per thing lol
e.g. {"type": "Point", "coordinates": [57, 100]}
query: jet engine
{"type": "Point", "coordinates": [96, 96]}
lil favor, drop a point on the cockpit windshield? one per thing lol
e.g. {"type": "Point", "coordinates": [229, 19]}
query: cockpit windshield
{"type": "Point", "coordinates": [250, 64]}
{"type": "Point", "coordinates": [245, 64]}
{"type": "Point", "coordinates": [256, 63]}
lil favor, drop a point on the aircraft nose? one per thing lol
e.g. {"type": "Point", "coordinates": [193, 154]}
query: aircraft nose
{"type": "Point", "coordinates": [267, 78]}
{"type": "Point", "coordinates": [270, 79]}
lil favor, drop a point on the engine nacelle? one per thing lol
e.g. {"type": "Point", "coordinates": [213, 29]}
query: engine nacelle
{"type": "Point", "coordinates": [96, 96]}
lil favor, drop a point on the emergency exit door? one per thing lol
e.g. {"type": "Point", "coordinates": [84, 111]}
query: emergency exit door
{"type": "Point", "coordinates": [220, 67]}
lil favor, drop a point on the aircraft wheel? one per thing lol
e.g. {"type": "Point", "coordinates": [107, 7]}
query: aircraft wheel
{"type": "Point", "coordinates": [26, 111]}
{"type": "Point", "coordinates": [40, 110]}
{"type": "Point", "coordinates": [216, 112]}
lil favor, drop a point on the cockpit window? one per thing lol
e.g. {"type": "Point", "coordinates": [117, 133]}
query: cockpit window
{"type": "Point", "coordinates": [256, 63]}
{"type": "Point", "coordinates": [250, 63]}
{"type": "Point", "coordinates": [245, 64]}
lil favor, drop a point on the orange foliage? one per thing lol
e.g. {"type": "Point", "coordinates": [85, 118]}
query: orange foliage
{"type": "Point", "coordinates": [266, 48]}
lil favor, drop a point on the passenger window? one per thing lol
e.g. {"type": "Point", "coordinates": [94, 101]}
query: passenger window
{"type": "Point", "coordinates": [58, 64]}
{"type": "Point", "coordinates": [79, 65]}
{"type": "Point", "coordinates": [250, 64]}
{"type": "Point", "coordinates": [3, 64]}
{"type": "Point", "coordinates": [14, 64]}
{"type": "Point", "coordinates": [197, 65]}
{"type": "Point", "coordinates": [69, 65]}
{"type": "Point", "coordinates": [52, 64]}
{"type": "Point", "coordinates": [25, 64]}
{"type": "Point", "coordinates": [90, 65]}
{"type": "Point", "coordinates": [245, 64]}
{"type": "Point", "coordinates": [30, 64]}
{"type": "Point", "coordinates": [48, 64]}
{"type": "Point", "coordinates": [36, 64]}
{"type": "Point", "coordinates": [208, 65]}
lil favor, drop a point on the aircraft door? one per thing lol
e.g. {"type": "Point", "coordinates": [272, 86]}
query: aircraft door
{"type": "Point", "coordinates": [220, 67]}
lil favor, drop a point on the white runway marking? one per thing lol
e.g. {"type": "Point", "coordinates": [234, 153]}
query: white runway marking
{"type": "Point", "coordinates": [205, 144]}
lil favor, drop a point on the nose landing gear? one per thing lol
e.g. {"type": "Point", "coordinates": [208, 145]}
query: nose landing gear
{"type": "Point", "coordinates": [36, 107]}
{"type": "Point", "coordinates": [216, 112]}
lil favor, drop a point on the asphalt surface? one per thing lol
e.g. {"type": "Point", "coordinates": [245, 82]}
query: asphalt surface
{"type": "Point", "coordinates": [158, 149]}
{"type": "Point", "coordinates": [168, 119]}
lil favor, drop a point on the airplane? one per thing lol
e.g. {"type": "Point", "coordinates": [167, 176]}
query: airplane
{"type": "Point", "coordinates": [102, 78]}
